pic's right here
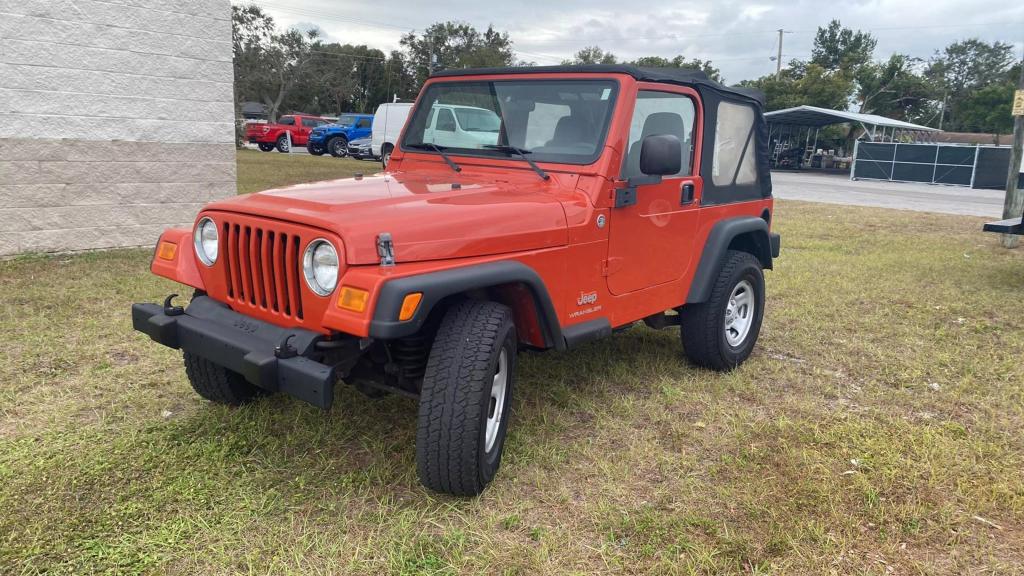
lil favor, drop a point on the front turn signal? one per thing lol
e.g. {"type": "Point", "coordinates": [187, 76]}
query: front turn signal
{"type": "Point", "coordinates": [409, 305]}
{"type": "Point", "coordinates": [353, 299]}
{"type": "Point", "coordinates": [166, 250]}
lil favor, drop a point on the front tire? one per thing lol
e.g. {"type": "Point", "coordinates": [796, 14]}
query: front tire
{"type": "Point", "coordinates": [218, 384]}
{"type": "Point", "coordinates": [720, 334]}
{"type": "Point", "coordinates": [338, 146]}
{"type": "Point", "coordinates": [466, 398]}
{"type": "Point", "coordinates": [385, 157]}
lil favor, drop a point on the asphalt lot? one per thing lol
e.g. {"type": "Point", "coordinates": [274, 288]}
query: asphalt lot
{"type": "Point", "coordinates": [839, 189]}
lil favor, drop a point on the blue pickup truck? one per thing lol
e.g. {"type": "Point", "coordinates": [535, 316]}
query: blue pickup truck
{"type": "Point", "coordinates": [334, 138]}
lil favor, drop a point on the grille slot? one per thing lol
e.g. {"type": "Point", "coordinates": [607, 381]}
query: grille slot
{"type": "Point", "coordinates": [262, 269]}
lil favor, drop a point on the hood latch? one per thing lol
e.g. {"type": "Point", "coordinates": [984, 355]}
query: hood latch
{"type": "Point", "coordinates": [385, 249]}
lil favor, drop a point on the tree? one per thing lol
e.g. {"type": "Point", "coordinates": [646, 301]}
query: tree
{"type": "Point", "coordinates": [804, 84]}
{"type": "Point", "coordinates": [680, 62]}
{"type": "Point", "coordinates": [592, 55]}
{"type": "Point", "coordinates": [895, 89]}
{"type": "Point", "coordinates": [268, 64]}
{"type": "Point", "coordinates": [455, 45]}
{"type": "Point", "coordinates": [837, 48]}
{"type": "Point", "coordinates": [988, 109]}
{"type": "Point", "coordinates": [962, 70]}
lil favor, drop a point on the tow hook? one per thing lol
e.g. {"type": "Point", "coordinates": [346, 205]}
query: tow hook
{"type": "Point", "coordinates": [285, 350]}
{"type": "Point", "coordinates": [170, 310]}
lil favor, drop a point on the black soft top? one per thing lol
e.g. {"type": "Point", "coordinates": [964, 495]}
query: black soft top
{"type": "Point", "coordinates": [680, 76]}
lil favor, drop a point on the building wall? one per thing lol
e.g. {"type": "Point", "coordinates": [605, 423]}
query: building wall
{"type": "Point", "coordinates": [116, 120]}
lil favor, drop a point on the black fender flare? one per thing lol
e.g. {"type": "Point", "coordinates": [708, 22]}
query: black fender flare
{"type": "Point", "coordinates": [436, 286]}
{"type": "Point", "coordinates": [765, 246]}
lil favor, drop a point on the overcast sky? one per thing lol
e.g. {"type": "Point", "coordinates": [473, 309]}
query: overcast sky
{"type": "Point", "coordinates": [738, 36]}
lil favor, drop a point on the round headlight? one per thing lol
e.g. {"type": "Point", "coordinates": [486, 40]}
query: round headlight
{"type": "Point", "coordinates": [206, 241]}
{"type": "Point", "coordinates": [320, 266]}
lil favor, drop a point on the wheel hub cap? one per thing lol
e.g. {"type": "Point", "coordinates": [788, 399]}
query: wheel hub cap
{"type": "Point", "coordinates": [739, 313]}
{"type": "Point", "coordinates": [496, 406]}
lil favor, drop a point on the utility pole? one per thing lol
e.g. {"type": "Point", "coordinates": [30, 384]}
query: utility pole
{"type": "Point", "coordinates": [1013, 206]}
{"type": "Point", "coordinates": [942, 113]}
{"type": "Point", "coordinates": [778, 58]}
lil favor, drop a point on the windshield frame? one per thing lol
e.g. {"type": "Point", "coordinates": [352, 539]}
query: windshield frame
{"type": "Point", "coordinates": [599, 144]}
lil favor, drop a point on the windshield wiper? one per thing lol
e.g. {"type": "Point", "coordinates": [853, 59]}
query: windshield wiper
{"type": "Point", "coordinates": [522, 153]}
{"type": "Point", "coordinates": [439, 150]}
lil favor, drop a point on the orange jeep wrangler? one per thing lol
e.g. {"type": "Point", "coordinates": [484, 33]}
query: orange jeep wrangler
{"type": "Point", "coordinates": [529, 208]}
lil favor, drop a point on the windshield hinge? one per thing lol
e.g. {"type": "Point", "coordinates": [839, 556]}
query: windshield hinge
{"type": "Point", "coordinates": [385, 249]}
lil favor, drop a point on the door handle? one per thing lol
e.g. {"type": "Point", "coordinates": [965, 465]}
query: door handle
{"type": "Point", "coordinates": [687, 195]}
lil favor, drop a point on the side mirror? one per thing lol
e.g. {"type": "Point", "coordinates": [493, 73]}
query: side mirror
{"type": "Point", "coordinates": [661, 155]}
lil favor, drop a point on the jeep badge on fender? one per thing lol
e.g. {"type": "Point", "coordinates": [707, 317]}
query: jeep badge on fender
{"type": "Point", "coordinates": [489, 201]}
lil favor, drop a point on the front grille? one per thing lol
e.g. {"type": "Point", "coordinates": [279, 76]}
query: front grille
{"type": "Point", "coordinates": [263, 269]}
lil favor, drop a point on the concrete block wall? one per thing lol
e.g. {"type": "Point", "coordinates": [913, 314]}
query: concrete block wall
{"type": "Point", "coordinates": [116, 120]}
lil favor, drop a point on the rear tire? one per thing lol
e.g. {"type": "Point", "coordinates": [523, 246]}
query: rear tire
{"type": "Point", "coordinates": [338, 146]}
{"type": "Point", "coordinates": [385, 156]}
{"type": "Point", "coordinates": [218, 384]}
{"type": "Point", "coordinates": [265, 146]}
{"type": "Point", "coordinates": [282, 144]}
{"type": "Point", "coordinates": [720, 334]}
{"type": "Point", "coordinates": [466, 398]}
{"type": "Point", "coordinates": [315, 150]}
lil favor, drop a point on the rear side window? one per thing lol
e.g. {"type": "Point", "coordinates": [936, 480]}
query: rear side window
{"type": "Point", "coordinates": [445, 120]}
{"type": "Point", "coordinates": [287, 121]}
{"type": "Point", "coordinates": [660, 113]}
{"type": "Point", "coordinates": [363, 123]}
{"type": "Point", "coordinates": [734, 161]}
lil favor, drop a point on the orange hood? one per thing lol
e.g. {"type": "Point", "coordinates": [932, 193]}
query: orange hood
{"type": "Point", "coordinates": [430, 216]}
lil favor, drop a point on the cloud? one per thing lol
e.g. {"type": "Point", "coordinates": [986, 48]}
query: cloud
{"type": "Point", "coordinates": [738, 36]}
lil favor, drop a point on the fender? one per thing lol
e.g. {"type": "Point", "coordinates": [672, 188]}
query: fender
{"type": "Point", "coordinates": [182, 267]}
{"type": "Point", "coordinates": [435, 286]}
{"type": "Point", "coordinates": [765, 246]}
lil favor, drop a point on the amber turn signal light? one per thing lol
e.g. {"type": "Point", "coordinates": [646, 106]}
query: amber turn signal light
{"type": "Point", "coordinates": [166, 250]}
{"type": "Point", "coordinates": [409, 305]}
{"type": "Point", "coordinates": [353, 299]}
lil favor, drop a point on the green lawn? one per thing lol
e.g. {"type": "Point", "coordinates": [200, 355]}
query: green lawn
{"type": "Point", "coordinates": [264, 170]}
{"type": "Point", "coordinates": [877, 429]}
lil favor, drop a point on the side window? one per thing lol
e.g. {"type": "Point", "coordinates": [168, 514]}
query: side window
{"type": "Point", "coordinates": [363, 123]}
{"type": "Point", "coordinates": [657, 113]}
{"type": "Point", "coordinates": [287, 121]}
{"type": "Point", "coordinates": [734, 161]}
{"type": "Point", "coordinates": [445, 120]}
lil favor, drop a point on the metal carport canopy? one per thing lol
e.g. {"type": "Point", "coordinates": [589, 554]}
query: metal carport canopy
{"type": "Point", "coordinates": [818, 117]}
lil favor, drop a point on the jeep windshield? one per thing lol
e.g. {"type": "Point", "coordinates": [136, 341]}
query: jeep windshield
{"type": "Point", "coordinates": [563, 121]}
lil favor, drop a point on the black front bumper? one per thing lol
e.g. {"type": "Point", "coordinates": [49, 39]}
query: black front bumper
{"type": "Point", "coordinates": [273, 358]}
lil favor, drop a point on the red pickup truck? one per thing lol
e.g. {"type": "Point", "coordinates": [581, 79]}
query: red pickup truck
{"type": "Point", "coordinates": [274, 135]}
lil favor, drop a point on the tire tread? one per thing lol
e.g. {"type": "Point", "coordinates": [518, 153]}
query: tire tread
{"type": "Point", "coordinates": [448, 456]}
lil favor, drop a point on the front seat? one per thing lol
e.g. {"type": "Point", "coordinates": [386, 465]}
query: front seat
{"type": "Point", "coordinates": [570, 131]}
{"type": "Point", "coordinates": [657, 123]}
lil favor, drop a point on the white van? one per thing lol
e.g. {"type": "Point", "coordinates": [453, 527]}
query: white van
{"type": "Point", "coordinates": [388, 122]}
{"type": "Point", "coordinates": [455, 126]}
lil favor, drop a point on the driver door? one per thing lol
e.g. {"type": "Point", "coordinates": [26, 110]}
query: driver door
{"type": "Point", "coordinates": [651, 241]}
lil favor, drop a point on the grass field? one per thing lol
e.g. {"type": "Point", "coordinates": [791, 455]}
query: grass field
{"type": "Point", "coordinates": [264, 170]}
{"type": "Point", "coordinates": [876, 430]}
